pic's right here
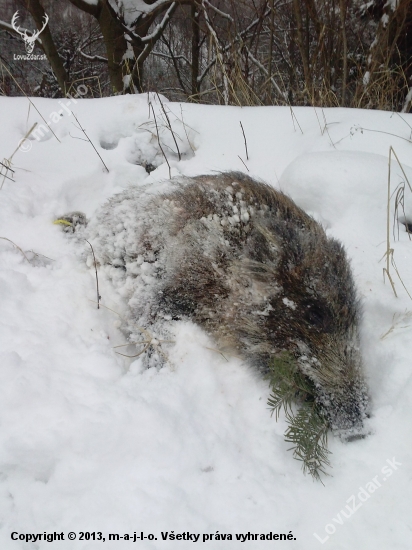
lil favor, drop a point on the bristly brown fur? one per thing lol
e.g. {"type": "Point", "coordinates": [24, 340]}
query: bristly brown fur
{"type": "Point", "coordinates": [246, 263]}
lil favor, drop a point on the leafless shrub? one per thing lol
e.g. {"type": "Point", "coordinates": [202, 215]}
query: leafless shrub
{"type": "Point", "coordinates": [232, 52]}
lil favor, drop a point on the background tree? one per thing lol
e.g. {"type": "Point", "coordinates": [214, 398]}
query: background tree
{"type": "Point", "coordinates": [237, 52]}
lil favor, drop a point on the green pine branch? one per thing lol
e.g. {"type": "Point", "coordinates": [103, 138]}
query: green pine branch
{"type": "Point", "coordinates": [307, 427]}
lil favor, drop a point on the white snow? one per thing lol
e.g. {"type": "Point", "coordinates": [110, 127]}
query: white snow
{"type": "Point", "coordinates": [366, 78]}
{"type": "Point", "coordinates": [90, 441]}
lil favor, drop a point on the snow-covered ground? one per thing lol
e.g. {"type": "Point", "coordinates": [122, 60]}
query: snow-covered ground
{"type": "Point", "coordinates": [92, 442]}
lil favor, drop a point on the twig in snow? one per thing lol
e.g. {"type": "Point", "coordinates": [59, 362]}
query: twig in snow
{"type": "Point", "coordinates": [244, 163]}
{"type": "Point", "coordinates": [81, 139]}
{"type": "Point", "coordinates": [158, 141]}
{"type": "Point", "coordinates": [89, 140]}
{"type": "Point", "coordinates": [326, 128]}
{"type": "Point", "coordinates": [7, 168]}
{"type": "Point", "coordinates": [7, 162]}
{"type": "Point", "coordinates": [5, 176]}
{"type": "Point", "coordinates": [170, 126]}
{"type": "Point", "coordinates": [361, 129]}
{"type": "Point", "coordinates": [244, 137]}
{"type": "Point", "coordinates": [217, 351]}
{"type": "Point", "coordinates": [102, 305]}
{"type": "Point", "coordinates": [31, 102]}
{"type": "Point", "coordinates": [320, 127]}
{"type": "Point", "coordinates": [97, 279]}
{"type": "Point", "coordinates": [396, 319]}
{"type": "Point", "coordinates": [42, 255]}
{"type": "Point", "coordinates": [292, 114]}
{"type": "Point", "coordinates": [407, 123]}
{"type": "Point", "coordinates": [18, 247]}
{"type": "Point", "coordinates": [150, 341]}
{"type": "Point", "coordinates": [184, 127]}
{"type": "Point", "coordinates": [390, 251]}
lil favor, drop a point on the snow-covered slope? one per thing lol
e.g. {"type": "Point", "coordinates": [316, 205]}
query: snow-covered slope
{"type": "Point", "coordinates": [92, 442]}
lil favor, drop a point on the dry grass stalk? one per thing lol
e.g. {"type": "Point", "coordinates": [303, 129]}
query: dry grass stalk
{"type": "Point", "coordinates": [158, 141]}
{"type": "Point", "coordinates": [169, 126]}
{"type": "Point", "coordinates": [30, 101]}
{"type": "Point", "coordinates": [389, 253]}
{"type": "Point", "coordinates": [396, 319]}
{"type": "Point", "coordinates": [15, 245]}
{"type": "Point", "coordinates": [244, 137]}
{"type": "Point", "coordinates": [90, 141]}
{"type": "Point", "coordinates": [97, 279]}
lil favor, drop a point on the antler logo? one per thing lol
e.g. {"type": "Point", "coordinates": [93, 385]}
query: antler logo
{"type": "Point", "coordinates": [29, 39]}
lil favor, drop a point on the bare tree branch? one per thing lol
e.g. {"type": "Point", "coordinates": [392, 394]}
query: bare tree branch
{"type": "Point", "coordinates": [93, 57]}
{"type": "Point", "coordinates": [90, 8]}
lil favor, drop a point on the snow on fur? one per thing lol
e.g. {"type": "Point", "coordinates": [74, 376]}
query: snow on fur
{"type": "Point", "coordinates": [225, 251]}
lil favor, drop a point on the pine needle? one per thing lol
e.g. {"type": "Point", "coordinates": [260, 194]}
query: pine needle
{"type": "Point", "coordinates": [308, 432]}
{"type": "Point", "coordinates": [307, 428]}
